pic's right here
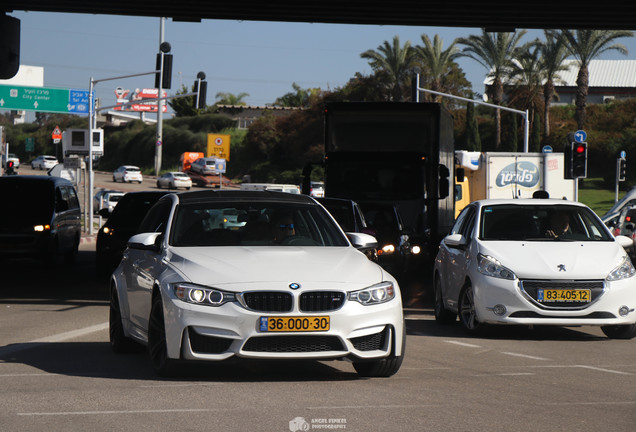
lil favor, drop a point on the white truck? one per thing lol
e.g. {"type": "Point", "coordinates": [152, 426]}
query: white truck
{"type": "Point", "coordinates": [509, 175]}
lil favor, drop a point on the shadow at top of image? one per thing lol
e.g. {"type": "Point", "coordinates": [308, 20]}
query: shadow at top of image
{"type": "Point", "coordinates": [424, 324]}
{"type": "Point", "coordinates": [96, 360]}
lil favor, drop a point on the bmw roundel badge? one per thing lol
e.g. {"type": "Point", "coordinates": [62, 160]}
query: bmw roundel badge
{"type": "Point", "coordinates": [294, 285]}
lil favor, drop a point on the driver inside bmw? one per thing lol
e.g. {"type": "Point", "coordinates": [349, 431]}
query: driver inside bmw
{"type": "Point", "coordinates": [283, 227]}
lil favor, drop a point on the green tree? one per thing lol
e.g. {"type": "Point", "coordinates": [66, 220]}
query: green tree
{"type": "Point", "coordinates": [495, 51]}
{"type": "Point", "coordinates": [552, 62]}
{"type": "Point", "coordinates": [585, 45]}
{"type": "Point", "coordinates": [184, 106]}
{"type": "Point", "coordinates": [396, 60]}
{"type": "Point", "coordinates": [437, 61]}
{"type": "Point", "coordinates": [525, 78]}
{"type": "Point", "coordinates": [223, 98]}
{"type": "Point", "coordinates": [473, 140]}
{"type": "Point", "coordinates": [298, 98]}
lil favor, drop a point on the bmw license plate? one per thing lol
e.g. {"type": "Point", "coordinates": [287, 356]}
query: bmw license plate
{"type": "Point", "coordinates": [294, 324]}
{"type": "Point", "coordinates": [563, 295]}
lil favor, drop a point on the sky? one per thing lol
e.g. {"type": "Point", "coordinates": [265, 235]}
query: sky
{"type": "Point", "coordinates": [262, 59]}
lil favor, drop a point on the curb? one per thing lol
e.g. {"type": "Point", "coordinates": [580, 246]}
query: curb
{"type": "Point", "coordinates": [88, 239]}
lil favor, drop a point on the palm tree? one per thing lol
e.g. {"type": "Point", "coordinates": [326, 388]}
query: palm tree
{"type": "Point", "coordinates": [230, 98]}
{"type": "Point", "coordinates": [553, 53]}
{"type": "Point", "coordinates": [395, 60]}
{"type": "Point", "coordinates": [495, 51]}
{"type": "Point", "coordinates": [437, 60]}
{"type": "Point", "coordinates": [585, 45]}
{"type": "Point", "coordinates": [525, 77]}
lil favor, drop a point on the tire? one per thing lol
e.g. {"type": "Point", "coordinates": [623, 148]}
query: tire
{"type": "Point", "coordinates": [158, 185]}
{"type": "Point", "coordinates": [627, 331]}
{"type": "Point", "coordinates": [119, 343]}
{"type": "Point", "coordinates": [442, 315]}
{"type": "Point", "coordinates": [157, 347]}
{"type": "Point", "coordinates": [467, 313]}
{"type": "Point", "coordinates": [114, 179]}
{"type": "Point", "coordinates": [385, 367]}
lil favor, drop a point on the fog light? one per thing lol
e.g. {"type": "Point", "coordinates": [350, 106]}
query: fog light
{"type": "Point", "coordinates": [624, 311]}
{"type": "Point", "coordinates": [499, 310]}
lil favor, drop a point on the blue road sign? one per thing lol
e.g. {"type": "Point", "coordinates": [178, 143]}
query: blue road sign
{"type": "Point", "coordinates": [546, 149]}
{"type": "Point", "coordinates": [580, 136]}
{"type": "Point", "coordinates": [78, 101]}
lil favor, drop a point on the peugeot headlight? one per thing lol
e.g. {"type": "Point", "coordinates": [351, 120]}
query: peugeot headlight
{"type": "Point", "coordinates": [375, 294]}
{"type": "Point", "coordinates": [624, 270]}
{"type": "Point", "coordinates": [197, 294]}
{"type": "Point", "coordinates": [489, 266]}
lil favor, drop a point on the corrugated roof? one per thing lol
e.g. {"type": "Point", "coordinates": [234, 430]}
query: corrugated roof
{"type": "Point", "coordinates": [603, 73]}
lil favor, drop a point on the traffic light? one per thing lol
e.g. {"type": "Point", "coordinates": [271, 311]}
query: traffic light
{"type": "Point", "coordinates": [579, 159]}
{"type": "Point", "coordinates": [166, 81]}
{"type": "Point", "coordinates": [622, 168]}
{"type": "Point", "coordinates": [10, 170]}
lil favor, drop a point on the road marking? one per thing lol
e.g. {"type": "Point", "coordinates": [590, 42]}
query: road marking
{"type": "Point", "coordinates": [602, 369]}
{"type": "Point", "coordinates": [10, 349]}
{"type": "Point", "coordinates": [525, 356]}
{"type": "Point", "coordinates": [464, 344]}
{"type": "Point", "coordinates": [80, 413]}
{"type": "Point", "coordinates": [585, 367]}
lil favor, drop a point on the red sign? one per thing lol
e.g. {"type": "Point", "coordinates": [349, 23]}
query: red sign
{"type": "Point", "coordinates": [136, 101]}
{"type": "Point", "coordinates": [57, 133]}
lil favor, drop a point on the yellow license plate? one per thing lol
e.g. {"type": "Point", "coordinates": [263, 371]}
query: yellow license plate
{"type": "Point", "coordinates": [563, 295]}
{"type": "Point", "coordinates": [294, 324]}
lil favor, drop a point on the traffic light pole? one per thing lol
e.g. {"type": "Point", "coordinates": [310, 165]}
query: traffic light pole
{"type": "Point", "coordinates": [618, 168]}
{"type": "Point", "coordinates": [524, 114]}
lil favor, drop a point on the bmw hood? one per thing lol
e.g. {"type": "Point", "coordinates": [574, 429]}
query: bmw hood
{"type": "Point", "coordinates": [261, 266]}
{"type": "Point", "coordinates": [556, 259]}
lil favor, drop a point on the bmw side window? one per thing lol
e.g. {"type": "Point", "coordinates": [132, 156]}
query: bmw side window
{"type": "Point", "coordinates": [157, 218]}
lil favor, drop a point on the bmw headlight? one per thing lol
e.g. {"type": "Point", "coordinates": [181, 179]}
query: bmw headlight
{"type": "Point", "coordinates": [624, 270]}
{"type": "Point", "coordinates": [489, 266]}
{"type": "Point", "coordinates": [375, 294]}
{"type": "Point", "coordinates": [197, 294]}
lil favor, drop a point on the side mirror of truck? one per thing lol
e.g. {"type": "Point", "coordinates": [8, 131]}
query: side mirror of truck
{"type": "Point", "coordinates": [460, 173]}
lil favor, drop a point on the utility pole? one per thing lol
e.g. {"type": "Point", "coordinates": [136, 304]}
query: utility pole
{"type": "Point", "coordinates": [160, 102]}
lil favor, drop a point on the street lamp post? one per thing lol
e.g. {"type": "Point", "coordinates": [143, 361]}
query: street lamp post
{"type": "Point", "coordinates": [164, 48]}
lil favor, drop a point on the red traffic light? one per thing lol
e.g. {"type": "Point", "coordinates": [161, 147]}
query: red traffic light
{"type": "Point", "coordinates": [580, 148]}
{"type": "Point", "coordinates": [10, 164]}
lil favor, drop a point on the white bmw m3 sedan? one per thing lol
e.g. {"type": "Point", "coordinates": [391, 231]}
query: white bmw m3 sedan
{"type": "Point", "coordinates": [283, 282]}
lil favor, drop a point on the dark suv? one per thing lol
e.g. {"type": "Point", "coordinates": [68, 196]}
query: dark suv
{"type": "Point", "coordinates": [122, 224]}
{"type": "Point", "coordinates": [41, 218]}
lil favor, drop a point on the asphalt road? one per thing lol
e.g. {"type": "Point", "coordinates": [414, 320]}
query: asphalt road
{"type": "Point", "coordinates": [57, 373]}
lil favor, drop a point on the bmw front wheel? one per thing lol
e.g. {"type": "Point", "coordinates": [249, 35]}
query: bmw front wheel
{"type": "Point", "coordinates": [385, 367]}
{"type": "Point", "coordinates": [119, 343]}
{"type": "Point", "coordinates": [157, 346]}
